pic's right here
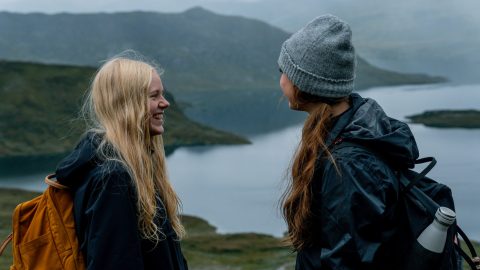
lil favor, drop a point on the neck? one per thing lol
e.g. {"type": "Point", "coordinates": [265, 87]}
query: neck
{"type": "Point", "coordinates": [340, 108]}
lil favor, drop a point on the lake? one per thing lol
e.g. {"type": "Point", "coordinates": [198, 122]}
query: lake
{"type": "Point", "coordinates": [237, 188]}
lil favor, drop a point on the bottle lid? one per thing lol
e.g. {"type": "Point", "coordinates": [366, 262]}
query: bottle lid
{"type": "Point", "coordinates": [445, 216]}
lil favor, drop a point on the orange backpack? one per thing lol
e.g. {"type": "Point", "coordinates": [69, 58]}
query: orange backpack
{"type": "Point", "coordinates": [44, 232]}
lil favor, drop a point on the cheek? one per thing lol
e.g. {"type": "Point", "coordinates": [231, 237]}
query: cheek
{"type": "Point", "coordinates": [151, 107]}
{"type": "Point", "coordinates": [282, 83]}
{"type": "Point", "coordinates": [287, 91]}
{"type": "Point", "coordinates": [286, 86]}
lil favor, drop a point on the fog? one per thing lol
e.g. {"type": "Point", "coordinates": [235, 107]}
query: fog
{"type": "Point", "coordinates": [438, 37]}
{"type": "Point", "coordinates": [82, 6]}
{"type": "Point", "coordinates": [287, 14]}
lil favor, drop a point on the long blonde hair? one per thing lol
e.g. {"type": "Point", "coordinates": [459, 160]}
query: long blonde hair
{"type": "Point", "coordinates": [297, 198]}
{"type": "Point", "coordinates": [117, 107]}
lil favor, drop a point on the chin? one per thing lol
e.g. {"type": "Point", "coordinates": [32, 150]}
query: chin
{"type": "Point", "coordinates": [156, 131]}
{"type": "Point", "coordinates": [293, 108]}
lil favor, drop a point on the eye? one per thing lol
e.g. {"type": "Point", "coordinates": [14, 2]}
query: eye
{"type": "Point", "coordinates": [154, 94]}
{"type": "Point", "coordinates": [280, 69]}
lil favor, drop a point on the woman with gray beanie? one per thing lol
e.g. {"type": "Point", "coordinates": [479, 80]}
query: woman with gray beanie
{"type": "Point", "coordinates": [342, 204]}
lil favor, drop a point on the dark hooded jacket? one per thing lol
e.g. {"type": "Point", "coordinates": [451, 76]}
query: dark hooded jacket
{"type": "Point", "coordinates": [355, 222]}
{"type": "Point", "coordinates": [106, 216]}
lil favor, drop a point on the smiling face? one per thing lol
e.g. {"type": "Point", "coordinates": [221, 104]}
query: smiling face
{"type": "Point", "coordinates": [156, 105]}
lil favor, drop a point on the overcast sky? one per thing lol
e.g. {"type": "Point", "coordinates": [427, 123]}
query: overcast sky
{"type": "Point", "coordinates": [55, 6]}
{"type": "Point", "coordinates": [411, 29]}
{"type": "Point", "coordinates": [279, 9]}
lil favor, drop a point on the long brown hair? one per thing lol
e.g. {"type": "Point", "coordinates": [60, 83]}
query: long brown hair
{"type": "Point", "coordinates": [296, 200]}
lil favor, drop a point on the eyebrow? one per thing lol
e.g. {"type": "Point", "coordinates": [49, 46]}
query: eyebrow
{"type": "Point", "coordinates": [159, 90]}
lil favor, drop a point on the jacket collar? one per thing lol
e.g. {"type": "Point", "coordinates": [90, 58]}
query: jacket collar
{"type": "Point", "coordinates": [356, 101]}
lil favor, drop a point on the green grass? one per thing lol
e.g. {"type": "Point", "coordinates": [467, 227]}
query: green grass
{"type": "Point", "coordinates": [448, 118]}
{"type": "Point", "coordinates": [476, 245]}
{"type": "Point", "coordinates": [39, 105]}
{"type": "Point", "coordinates": [206, 249]}
{"type": "Point", "coordinates": [203, 247]}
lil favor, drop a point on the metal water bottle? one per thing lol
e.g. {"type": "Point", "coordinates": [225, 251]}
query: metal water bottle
{"type": "Point", "coordinates": [426, 252]}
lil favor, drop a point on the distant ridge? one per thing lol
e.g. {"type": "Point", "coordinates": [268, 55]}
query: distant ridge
{"type": "Point", "coordinates": [39, 105]}
{"type": "Point", "coordinates": [198, 49]}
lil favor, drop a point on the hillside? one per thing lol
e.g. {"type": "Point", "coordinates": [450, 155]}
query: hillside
{"type": "Point", "coordinates": [39, 104]}
{"type": "Point", "coordinates": [369, 75]}
{"type": "Point", "coordinates": [199, 49]}
{"type": "Point", "coordinates": [448, 118]}
{"type": "Point", "coordinates": [222, 69]}
{"type": "Point", "coordinates": [204, 248]}
{"type": "Point", "coordinates": [429, 36]}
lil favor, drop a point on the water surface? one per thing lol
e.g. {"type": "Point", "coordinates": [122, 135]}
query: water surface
{"type": "Point", "coordinates": [237, 188]}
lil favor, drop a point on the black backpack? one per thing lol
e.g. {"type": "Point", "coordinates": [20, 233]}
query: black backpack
{"type": "Point", "coordinates": [421, 197]}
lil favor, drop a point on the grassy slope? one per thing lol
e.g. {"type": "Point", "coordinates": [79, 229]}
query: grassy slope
{"type": "Point", "coordinates": [239, 72]}
{"type": "Point", "coordinates": [204, 248]}
{"type": "Point", "coordinates": [448, 118]}
{"type": "Point", "coordinates": [38, 105]}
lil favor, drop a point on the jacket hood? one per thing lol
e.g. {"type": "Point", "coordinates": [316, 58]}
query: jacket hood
{"type": "Point", "coordinates": [367, 124]}
{"type": "Point", "coordinates": [74, 167]}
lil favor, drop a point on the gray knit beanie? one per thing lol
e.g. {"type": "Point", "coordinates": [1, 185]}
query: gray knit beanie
{"type": "Point", "coordinates": [320, 59]}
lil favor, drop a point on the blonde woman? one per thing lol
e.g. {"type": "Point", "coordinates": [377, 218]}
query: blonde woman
{"type": "Point", "coordinates": [342, 207]}
{"type": "Point", "coordinates": [125, 208]}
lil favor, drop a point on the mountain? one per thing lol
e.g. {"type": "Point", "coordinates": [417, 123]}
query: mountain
{"type": "Point", "coordinates": [198, 48]}
{"type": "Point", "coordinates": [222, 69]}
{"type": "Point", "coordinates": [39, 105]}
{"type": "Point", "coordinates": [429, 36]}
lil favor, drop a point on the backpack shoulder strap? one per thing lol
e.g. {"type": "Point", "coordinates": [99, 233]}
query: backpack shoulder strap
{"type": "Point", "coordinates": [53, 183]}
{"type": "Point", "coordinates": [339, 144]}
{"type": "Point", "coordinates": [423, 173]}
{"type": "Point", "coordinates": [473, 261]}
{"type": "Point", "coordinates": [410, 188]}
{"type": "Point", "coordinates": [5, 243]}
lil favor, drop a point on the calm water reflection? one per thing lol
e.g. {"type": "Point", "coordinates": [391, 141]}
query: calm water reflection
{"type": "Point", "coordinates": [237, 188]}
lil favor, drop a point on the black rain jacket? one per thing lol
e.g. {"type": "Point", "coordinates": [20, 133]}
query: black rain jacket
{"type": "Point", "coordinates": [355, 222]}
{"type": "Point", "coordinates": [106, 215]}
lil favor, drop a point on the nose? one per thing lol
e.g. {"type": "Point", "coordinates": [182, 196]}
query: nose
{"type": "Point", "coordinates": [163, 103]}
